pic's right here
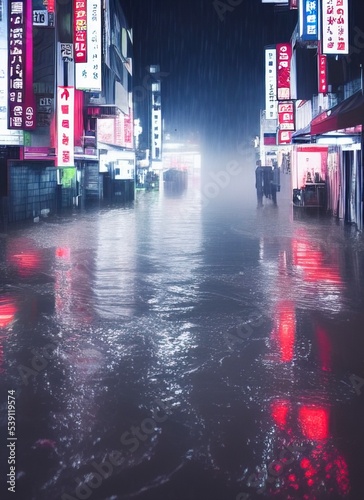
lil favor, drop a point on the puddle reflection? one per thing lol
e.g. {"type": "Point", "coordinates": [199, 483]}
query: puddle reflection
{"type": "Point", "coordinates": [136, 305]}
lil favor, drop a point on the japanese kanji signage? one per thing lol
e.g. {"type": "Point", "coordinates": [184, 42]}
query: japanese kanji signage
{"type": "Point", "coordinates": [88, 74]}
{"type": "Point", "coordinates": [65, 126]}
{"type": "Point", "coordinates": [322, 73]}
{"type": "Point", "coordinates": [40, 17]}
{"type": "Point", "coordinates": [67, 52]}
{"type": "Point", "coordinates": [6, 136]}
{"type": "Point", "coordinates": [80, 30]}
{"type": "Point", "coordinates": [128, 130]}
{"type": "Point", "coordinates": [335, 27]}
{"type": "Point", "coordinates": [284, 55]}
{"type": "Point", "coordinates": [284, 137]}
{"type": "Point", "coordinates": [308, 13]}
{"type": "Point", "coordinates": [21, 102]}
{"type": "Point", "coordinates": [286, 115]}
{"type": "Point", "coordinates": [270, 84]}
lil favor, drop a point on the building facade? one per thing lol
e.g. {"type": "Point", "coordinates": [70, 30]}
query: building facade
{"type": "Point", "coordinates": [66, 113]}
{"type": "Point", "coordinates": [313, 121]}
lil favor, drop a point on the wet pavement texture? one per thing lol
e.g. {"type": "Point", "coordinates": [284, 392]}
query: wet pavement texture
{"type": "Point", "coordinates": [186, 346]}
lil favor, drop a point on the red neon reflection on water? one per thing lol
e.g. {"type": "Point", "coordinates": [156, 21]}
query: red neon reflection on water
{"type": "Point", "coordinates": [280, 410]}
{"type": "Point", "coordinates": [286, 330]}
{"type": "Point", "coordinates": [322, 469]}
{"type": "Point", "coordinates": [63, 253]}
{"type": "Point", "coordinates": [24, 256]}
{"type": "Point", "coordinates": [27, 263]}
{"type": "Point", "coordinates": [7, 312]}
{"type": "Point", "coordinates": [325, 348]}
{"type": "Point", "coordinates": [312, 262]}
{"type": "Point", "coordinates": [336, 472]}
{"type": "Point", "coordinates": [314, 422]}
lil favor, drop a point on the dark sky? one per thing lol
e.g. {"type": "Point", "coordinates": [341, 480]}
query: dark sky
{"type": "Point", "coordinates": [214, 61]}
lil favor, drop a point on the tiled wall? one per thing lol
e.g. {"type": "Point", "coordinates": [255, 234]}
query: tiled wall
{"type": "Point", "coordinates": [32, 188]}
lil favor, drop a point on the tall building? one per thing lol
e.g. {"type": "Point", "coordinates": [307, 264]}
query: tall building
{"type": "Point", "coordinates": [155, 118]}
{"type": "Point", "coordinates": [66, 114]}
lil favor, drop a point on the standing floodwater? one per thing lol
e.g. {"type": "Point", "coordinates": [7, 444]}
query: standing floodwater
{"type": "Point", "coordinates": [186, 347]}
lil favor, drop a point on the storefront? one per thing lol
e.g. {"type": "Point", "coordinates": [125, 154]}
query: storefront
{"type": "Point", "coordinates": [117, 168]}
{"type": "Point", "coordinates": [341, 129]}
{"type": "Point", "coordinates": [309, 173]}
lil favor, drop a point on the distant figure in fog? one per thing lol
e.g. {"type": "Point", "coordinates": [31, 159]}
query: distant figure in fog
{"type": "Point", "coordinates": [267, 182]}
{"type": "Point", "coordinates": [275, 182]}
{"type": "Point", "coordinates": [259, 182]}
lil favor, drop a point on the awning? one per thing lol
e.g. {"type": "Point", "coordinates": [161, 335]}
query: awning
{"type": "Point", "coordinates": [302, 132]}
{"type": "Point", "coordinates": [347, 114]}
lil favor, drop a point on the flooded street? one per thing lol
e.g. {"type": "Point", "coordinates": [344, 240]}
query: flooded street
{"type": "Point", "coordinates": [187, 346]}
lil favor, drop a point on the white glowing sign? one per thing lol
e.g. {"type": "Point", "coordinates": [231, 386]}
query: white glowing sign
{"type": "Point", "coordinates": [270, 84]}
{"type": "Point", "coordinates": [335, 27]}
{"type": "Point", "coordinates": [88, 75]}
{"type": "Point", "coordinates": [65, 126]}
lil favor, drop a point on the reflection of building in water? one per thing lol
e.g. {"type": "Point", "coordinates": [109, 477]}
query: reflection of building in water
{"type": "Point", "coordinates": [82, 360]}
{"type": "Point", "coordinates": [310, 464]}
{"type": "Point", "coordinates": [72, 290]}
{"type": "Point", "coordinates": [8, 310]}
{"type": "Point", "coordinates": [62, 284]}
{"type": "Point", "coordinates": [310, 262]}
{"type": "Point", "coordinates": [284, 331]}
{"type": "Point", "coordinates": [115, 265]}
{"type": "Point", "coordinates": [22, 255]}
{"type": "Point", "coordinates": [300, 455]}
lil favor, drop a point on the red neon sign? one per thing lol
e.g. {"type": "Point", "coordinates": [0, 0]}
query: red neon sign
{"type": "Point", "coordinates": [80, 30]}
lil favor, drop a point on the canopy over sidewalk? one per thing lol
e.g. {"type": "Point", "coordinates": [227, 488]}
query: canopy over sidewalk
{"type": "Point", "coordinates": [347, 114]}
